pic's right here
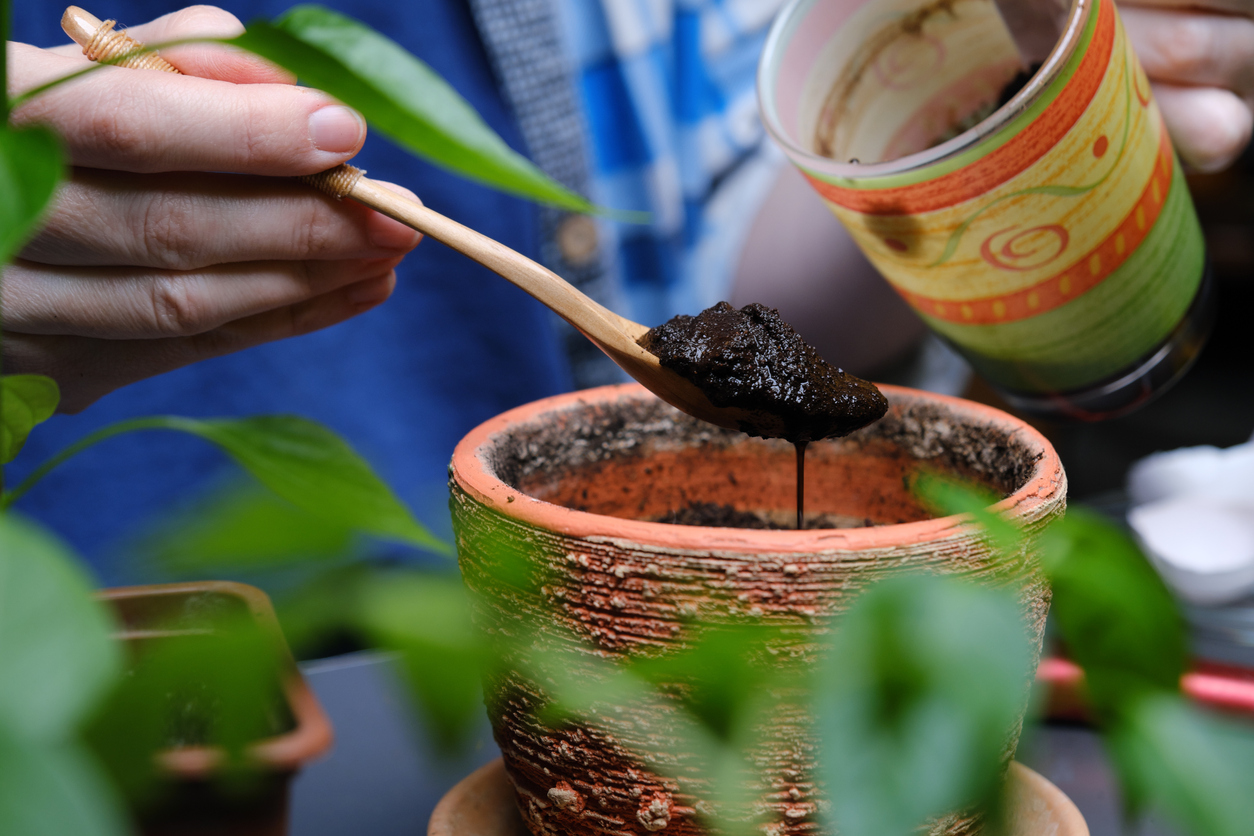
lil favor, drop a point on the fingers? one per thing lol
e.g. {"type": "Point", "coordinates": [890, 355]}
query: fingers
{"type": "Point", "coordinates": [1202, 66]}
{"type": "Point", "coordinates": [146, 121]}
{"type": "Point", "coordinates": [87, 369]}
{"type": "Point", "coordinates": [1193, 49]}
{"type": "Point", "coordinates": [191, 221]}
{"type": "Point", "coordinates": [1235, 7]}
{"type": "Point", "coordinates": [1209, 127]}
{"type": "Point", "coordinates": [126, 304]}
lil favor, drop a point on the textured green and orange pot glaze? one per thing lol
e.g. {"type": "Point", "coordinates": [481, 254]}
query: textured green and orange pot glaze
{"type": "Point", "coordinates": [1055, 242]}
{"type": "Point", "coordinates": [572, 487]}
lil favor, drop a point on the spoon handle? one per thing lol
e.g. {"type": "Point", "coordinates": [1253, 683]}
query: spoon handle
{"type": "Point", "coordinates": [604, 327]}
{"type": "Point", "coordinates": [547, 287]}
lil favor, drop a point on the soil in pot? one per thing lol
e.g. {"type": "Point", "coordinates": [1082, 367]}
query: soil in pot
{"type": "Point", "coordinates": [657, 465]}
{"type": "Point", "coordinates": [712, 515]}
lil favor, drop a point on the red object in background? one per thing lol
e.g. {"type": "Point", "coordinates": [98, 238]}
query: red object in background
{"type": "Point", "coordinates": [1220, 687]}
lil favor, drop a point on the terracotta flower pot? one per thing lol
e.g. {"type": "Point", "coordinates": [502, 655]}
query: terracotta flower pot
{"type": "Point", "coordinates": [572, 484]}
{"type": "Point", "coordinates": [190, 800]}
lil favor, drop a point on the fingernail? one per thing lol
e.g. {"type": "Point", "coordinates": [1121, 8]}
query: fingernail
{"type": "Point", "coordinates": [371, 292]}
{"type": "Point", "coordinates": [336, 129]}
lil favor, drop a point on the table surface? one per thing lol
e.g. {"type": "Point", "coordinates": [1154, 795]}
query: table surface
{"type": "Point", "coordinates": [384, 777]}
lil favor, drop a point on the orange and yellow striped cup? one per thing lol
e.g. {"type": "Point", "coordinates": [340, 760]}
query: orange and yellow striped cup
{"type": "Point", "coordinates": [1051, 239]}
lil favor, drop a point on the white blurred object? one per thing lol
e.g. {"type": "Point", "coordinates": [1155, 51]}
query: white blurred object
{"type": "Point", "coordinates": [1193, 511]}
{"type": "Point", "coordinates": [1202, 546]}
{"type": "Point", "coordinates": [1224, 474]}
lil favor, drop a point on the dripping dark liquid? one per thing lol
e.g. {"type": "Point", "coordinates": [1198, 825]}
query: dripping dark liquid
{"type": "Point", "coordinates": [752, 360]}
{"type": "Point", "coordinates": [801, 483]}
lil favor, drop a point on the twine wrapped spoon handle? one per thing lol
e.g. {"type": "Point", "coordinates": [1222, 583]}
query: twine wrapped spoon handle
{"type": "Point", "coordinates": [613, 334]}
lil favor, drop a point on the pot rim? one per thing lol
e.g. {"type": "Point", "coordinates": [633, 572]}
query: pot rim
{"type": "Point", "coordinates": [470, 471]}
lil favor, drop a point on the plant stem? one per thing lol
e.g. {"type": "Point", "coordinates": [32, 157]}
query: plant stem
{"type": "Point", "coordinates": [23, 98]}
{"type": "Point", "coordinates": [156, 422]}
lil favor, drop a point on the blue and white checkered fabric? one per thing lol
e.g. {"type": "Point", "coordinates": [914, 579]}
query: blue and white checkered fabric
{"type": "Point", "coordinates": [668, 91]}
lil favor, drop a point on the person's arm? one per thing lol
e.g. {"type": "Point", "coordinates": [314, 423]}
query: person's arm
{"type": "Point", "coordinates": [152, 258]}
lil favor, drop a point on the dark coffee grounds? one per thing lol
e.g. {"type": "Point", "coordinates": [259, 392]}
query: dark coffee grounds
{"type": "Point", "coordinates": [1016, 84]}
{"type": "Point", "coordinates": [752, 360]}
{"type": "Point", "coordinates": [714, 515]}
{"type": "Point", "coordinates": [977, 116]}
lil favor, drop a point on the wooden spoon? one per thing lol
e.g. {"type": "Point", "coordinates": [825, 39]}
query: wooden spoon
{"type": "Point", "coordinates": [613, 334]}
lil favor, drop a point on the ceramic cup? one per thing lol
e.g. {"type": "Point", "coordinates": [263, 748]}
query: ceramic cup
{"type": "Point", "coordinates": [1051, 239]}
{"type": "Point", "coordinates": [574, 487]}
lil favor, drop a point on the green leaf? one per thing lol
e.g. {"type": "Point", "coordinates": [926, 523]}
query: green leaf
{"type": "Point", "coordinates": [54, 790]}
{"type": "Point", "coordinates": [57, 656]}
{"type": "Point", "coordinates": [426, 619]}
{"type": "Point", "coordinates": [1194, 767]}
{"type": "Point", "coordinates": [926, 680]}
{"type": "Point", "coordinates": [1115, 615]}
{"type": "Point", "coordinates": [724, 674]}
{"type": "Point", "coordinates": [951, 496]}
{"type": "Point", "coordinates": [717, 724]}
{"type": "Point", "coordinates": [300, 460]}
{"type": "Point", "coordinates": [244, 526]}
{"type": "Point", "coordinates": [31, 165]}
{"type": "Point", "coordinates": [317, 613]}
{"type": "Point", "coordinates": [400, 96]}
{"type": "Point", "coordinates": [25, 401]}
{"type": "Point", "coordinates": [314, 469]}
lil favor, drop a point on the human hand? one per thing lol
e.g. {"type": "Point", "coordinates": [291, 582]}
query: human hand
{"type": "Point", "coordinates": [150, 259]}
{"type": "Point", "coordinates": [1201, 63]}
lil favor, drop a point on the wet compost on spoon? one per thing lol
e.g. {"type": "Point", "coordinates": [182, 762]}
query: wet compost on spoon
{"type": "Point", "coordinates": [752, 360]}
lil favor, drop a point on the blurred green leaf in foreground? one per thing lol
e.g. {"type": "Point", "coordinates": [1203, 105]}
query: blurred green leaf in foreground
{"type": "Point", "coordinates": [1115, 617]}
{"type": "Point", "coordinates": [57, 655]}
{"type": "Point", "coordinates": [31, 165]}
{"type": "Point", "coordinates": [925, 682]}
{"type": "Point", "coordinates": [214, 684]}
{"type": "Point", "coordinates": [57, 660]}
{"type": "Point", "coordinates": [426, 620]}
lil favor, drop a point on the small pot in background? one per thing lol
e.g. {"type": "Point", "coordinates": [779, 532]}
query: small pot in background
{"type": "Point", "coordinates": [189, 796]}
